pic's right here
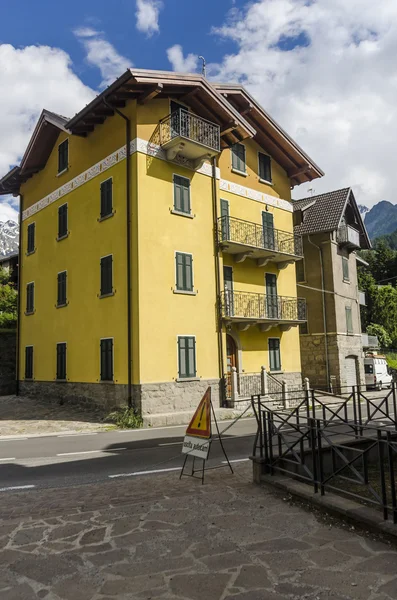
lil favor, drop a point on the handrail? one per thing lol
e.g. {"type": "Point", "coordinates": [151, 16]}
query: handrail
{"type": "Point", "coordinates": [182, 123]}
{"type": "Point", "coordinates": [250, 305]}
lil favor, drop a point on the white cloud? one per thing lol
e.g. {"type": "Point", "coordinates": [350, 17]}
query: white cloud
{"type": "Point", "coordinates": [335, 92]}
{"type": "Point", "coordinates": [179, 62]}
{"type": "Point", "coordinates": [147, 16]}
{"type": "Point", "coordinates": [101, 54]}
{"type": "Point", "coordinates": [8, 209]}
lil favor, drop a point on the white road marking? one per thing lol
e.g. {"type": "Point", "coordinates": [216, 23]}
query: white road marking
{"type": "Point", "coordinates": [115, 449]}
{"type": "Point", "coordinates": [75, 434]}
{"type": "Point", "coordinates": [172, 443]}
{"type": "Point", "coordinates": [17, 487]}
{"type": "Point", "coordinates": [5, 459]}
{"type": "Point", "coordinates": [144, 472]}
{"type": "Point", "coordinates": [81, 452]}
{"type": "Point", "coordinates": [14, 439]}
{"type": "Point", "coordinates": [236, 460]}
{"type": "Point", "coordinates": [175, 426]}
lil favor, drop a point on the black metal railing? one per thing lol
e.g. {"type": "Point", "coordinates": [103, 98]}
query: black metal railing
{"type": "Point", "coordinates": [348, 447]}
{"type": "Point", "coordinates": [247, 233]}
{"type": "Point", "coordinates": [249, 305]}
{"type": "Point", "coordinates": [182, 123]}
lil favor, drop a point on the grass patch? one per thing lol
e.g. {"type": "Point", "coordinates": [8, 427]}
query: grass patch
{"type": "Point", "coordinates": [125, 418]}
{"type": "Point", "coordinates": [392, 360]}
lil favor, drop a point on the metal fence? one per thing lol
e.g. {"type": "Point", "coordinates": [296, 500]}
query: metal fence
{"type": "Point", "coordinates": [262, 306]}
{"type": "Point", "coordinates": [252, 234]}
{"type": "Point", "coordinates": [182, 123]}
{"type": "Point", "coordinates": [347, 447]}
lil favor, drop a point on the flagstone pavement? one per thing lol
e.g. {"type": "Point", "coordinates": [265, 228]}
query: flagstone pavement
{"type": "Point", "coordinates": [155, 537]}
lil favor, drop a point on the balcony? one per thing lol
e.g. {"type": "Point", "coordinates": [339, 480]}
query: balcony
{"type": "Point", "coordinates": [185, 134]}
{"type": "Point", "coordinates": [361, 298]}
{"type": "Point", "coordinates": [245, 239]}
{"type": "Point", "coordinates": [267, 311]}
{"type": "Point", "coordinates": [348, 237]}
{"type": "Point", "coordinates": [369, 341]}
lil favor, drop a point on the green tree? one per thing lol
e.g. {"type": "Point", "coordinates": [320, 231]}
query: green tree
{"type": "Point", "coordinates": [381, 333]}
{"type": "Point", "coordinates": [8, 300]}
{"type": "Point", "coordinates": [384, 309]}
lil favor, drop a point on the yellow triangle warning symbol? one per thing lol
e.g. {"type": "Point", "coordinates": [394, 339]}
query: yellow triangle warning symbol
{"type": "Point", "coordinates": [200, 425]}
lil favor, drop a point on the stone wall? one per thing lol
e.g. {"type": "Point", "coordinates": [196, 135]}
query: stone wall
{"type": "Point", "coordinates": [8, 341]}
{"type": "Point", "coordinates": [176, 396]}
{"type": "Point", "coordinates": [294, 380]}
{"type": "Point", "coordinates": [106, 395]}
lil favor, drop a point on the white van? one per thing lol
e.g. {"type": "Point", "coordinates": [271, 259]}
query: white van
{"type": "Point", "coordinates": [377, 374]}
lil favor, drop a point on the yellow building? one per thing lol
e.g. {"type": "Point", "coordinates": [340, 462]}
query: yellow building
{"type": "Point", "coordinates": [147, 275]}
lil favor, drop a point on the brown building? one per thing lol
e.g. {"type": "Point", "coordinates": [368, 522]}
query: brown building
{"type": "Point", "coordinates": [331, 341]}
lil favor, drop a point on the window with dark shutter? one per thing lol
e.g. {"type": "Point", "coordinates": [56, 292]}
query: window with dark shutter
{"type": "Point", "coordinates": [30, 298]}
{"type": "Point", "coordinates": [300, 270]}
{"type": "Point", "coordinates": [62, 296]}
{"type": "Point", "coordinates": [238, 157]}
{"type": "Point", "coordinates": [106, 275]}
{"type": "Point", "coordinates": [31, 238]}
{"type": "Point", "coordinates": [349, 319]}
{"type": "Point", "coordinates": [274, 354]}
{"type": "Point", "coordinates": [345, 269]}
{"type": "Point", "coordinates": [62, 221]}
{"type": "Point", "coordinates": [106, 198]}
{"type": "Point", "coordinates": [186, 357]}
{"type": "Point", "coordinates": [265, 167]}
{"type": "Point", "coordinates": [184, 272]}
{"type": "Point", "coordinates": [182, 194]}
{"type": "Point", "coordinates": [61, 361]}
{"type": "Point", "coordinates": [63, 156]}
{"type": "Point", "coordinates": [29, 362]}
{"type": "Point", "coordinates": [107, 360]}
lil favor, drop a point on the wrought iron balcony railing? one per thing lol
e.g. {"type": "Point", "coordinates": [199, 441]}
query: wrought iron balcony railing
{"type": "Point", "coordinates": [262, 307]}
{"type": "Point", "coordinates": [247, 233]}
{"type": "Point", "coordinates": [347, 236]}
{"type": "Point", "coordinates": [185, 124]}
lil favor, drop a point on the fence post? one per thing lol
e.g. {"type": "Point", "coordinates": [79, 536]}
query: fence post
{"type": "Point", "coordinates": [306, 384]}
{"type": "Point", "coordinates": [264, 384]}
{"type": "Point", "coordinates": [234, 384]}
{"type": "Point", "coordinates": [285, 395]}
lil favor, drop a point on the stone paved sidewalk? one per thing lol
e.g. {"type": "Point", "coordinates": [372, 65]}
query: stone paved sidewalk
{"type": "Point", "coordinates": [20, 415]}
{"type": "Point", "coordinates": [156, 537]}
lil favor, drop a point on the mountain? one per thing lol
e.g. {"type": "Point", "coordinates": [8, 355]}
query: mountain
{"type": "Point", "coordinates": [363, 210]}
{"type": "Point", "coordinates": [381, 219]}
{"type": "Point", "coordinates": [9, 237]}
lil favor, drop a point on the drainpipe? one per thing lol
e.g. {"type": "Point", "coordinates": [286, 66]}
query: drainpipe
{"type": "Point", "coordinates": [320, 253]}
{"type": "Point", "coordinates": [17, 363]}
{"type": "Point", "coordinates": [128, 218]}
{"type": "Point", "coordinates": [218, 279]}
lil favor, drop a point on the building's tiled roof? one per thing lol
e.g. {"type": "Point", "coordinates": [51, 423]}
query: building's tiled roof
{"type": "Point", "coordinates": [323, 213]}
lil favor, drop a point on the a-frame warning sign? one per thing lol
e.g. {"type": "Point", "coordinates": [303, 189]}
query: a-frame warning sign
{"type": "Point", "coordinates": [200, 425]}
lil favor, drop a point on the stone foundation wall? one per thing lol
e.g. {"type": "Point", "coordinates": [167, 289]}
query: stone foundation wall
{"type": "Point", "coordinates": [176, 396]}
{"type": "Point", "coordinates": [8, 344]}
{"type": "Point", "coordinates": [106, 395]}
{"type": "Point", "coordinates": [294, 380]}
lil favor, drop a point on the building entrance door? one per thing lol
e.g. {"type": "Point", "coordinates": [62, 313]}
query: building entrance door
{"type": "Point", "coordinates": [351, 371]}
{"type": "Point", "coordinates": [231, 361]}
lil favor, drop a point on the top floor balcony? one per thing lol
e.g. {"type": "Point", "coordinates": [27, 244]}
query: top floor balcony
{"type": "Point", "coordinates": [262, 243]}
{"type": "Point", "coordinates": [186, 134]}
{"type": "Point", "coordinates": [348, 237]}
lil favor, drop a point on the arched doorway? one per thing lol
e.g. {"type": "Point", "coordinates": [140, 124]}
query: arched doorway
{"type": "Point", "coordinates": [351, 370]}
{"type": "Point", "coordinates": [231, 361]}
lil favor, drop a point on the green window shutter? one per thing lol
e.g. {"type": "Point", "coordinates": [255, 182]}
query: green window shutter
{"type": "Point", "coordinates": [188, 272]}
{"type": "Point", "coordinates": [182, 357]}
{"type": "Point", "coordinates": [107, 360]}
{"type": "Point", "coordinates": [182, 194]}
{"type": "Point", "coordinates": [184, 271]}
{"type": "Point", "coordinates": [62, 298]}
{"type": "Point", "coordinates": [186, 357]}
{"type": "Point", "coordinates": [61, 361]}
{"type": "Point", "coordinates": [30, 298]}
{"type": "Point", "coordinates": [345, 268]}
{"type": "Point", "coordinates": [265, 169]}
{"type": "Point", "coordinates": [62, 220]}
{"type": "Point", "coordinates": [63, 156]}
{"type": "Point", "coordinates": [106, 275]}
{"type": "Point", "coordinates": [106, 198]}
{"type": "Point", "coordinates": [274, 355]}
{"type": "Point", "coordinates": [29, 362]}
{"type": "Point", "coordinates": [225, 226]}
{"type": "Point", "coordinates": [31, 237]}
{"type": "Point", "coordinates": [300, 270]}
{"type": "Point", "coordinates": [238, 157]}
{"type": "Point", "coordinates": [349, 319]}
{"type": "Point", "coordinates": [179, 258]}
{"type": "Point", "coordinates": [191, 356]}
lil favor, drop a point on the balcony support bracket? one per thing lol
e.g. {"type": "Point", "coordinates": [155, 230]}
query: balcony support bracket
{"type": "Point", "coordinates": [171, 153]}
{"type": "Point", "coordinates": [263, 327]}
{"type": "Point", "coordinates": [262, 262]}
{"type": "Point", "coordinates": [286, 327]}
{"type": "Point", "coordinates": [239, 258]}
{"type": "Point", "coordinates": [198, 163]}
{"type": "Point", "coordinates": [245, 326]}
{"type": "Point", "coordinates": [284, 264]}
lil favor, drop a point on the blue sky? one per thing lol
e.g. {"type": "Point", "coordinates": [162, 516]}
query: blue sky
{"type": "Point", "coordinates": [321, 68]}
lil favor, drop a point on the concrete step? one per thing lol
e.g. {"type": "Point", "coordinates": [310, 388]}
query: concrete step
{"type": "Point", "coordinates": [184, 417]}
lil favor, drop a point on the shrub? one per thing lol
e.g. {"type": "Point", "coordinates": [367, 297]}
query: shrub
{"type": "Point", "coordinates": [127, 418]}
{"type": "Point", "coordinates": [8, 320]}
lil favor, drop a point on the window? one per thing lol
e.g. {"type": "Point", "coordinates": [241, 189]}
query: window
{"type": "Point", "coordinates": [186, 357]}
{"type": "Point", "coordinates": [238, 157]}
{"type": "Point", "coordinates": [61, 361]}
{"type": "Point", "coordinates": [107, 359]}
{"type": "Point", "coordinates": [274, 354]}
{"type": "Point", "coordinates": [300, 270]}
{"type": "Point", "coordinates": [264, 167]}
{"type": "Point", "coordinates": [349, 319]}
{"type": "Point", "coordinates": [345, 269]}
{"type": "Point", "coordinates": [184, 272]}
{"type": "Point", "coordinates": [62, 221]}
{"type": "Point", "coordinates": [181, 194]}
{"type": "Point", "coordinates": [61, 297]}
{"type": "Point", "coordinates": [63, 156]}
{"type": "Point", "coordinates": [29, 362]}
{"type": "Point", "coordinates": [106, 198]}
{"type": "Point", "coordinates": [303, 328]}
{"type": "Point", "coordinates": [107, 275]}
{"type": "Point", "coordinates": [31, 237]}
{"type": "Point", "coordinates": [369, 369]}
{"type": "Point", "coordinates": [30, 298]}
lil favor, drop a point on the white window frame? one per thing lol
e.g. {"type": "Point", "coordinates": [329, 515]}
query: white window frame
{"type": "Point", "coordinates": [114, 362]}
{"type": "Point", "coordinates": [181, 379]}
{"type": "Point", "coordinates": [244, 173]}
{"type": "Point", "coordinates": [259, 177]}
{"type": "Point", "coordinates": [268, 349]}
{"type": "Point", "coordinates": [180, 213]}
{"type": "Point", "coordinates": [191, 292]}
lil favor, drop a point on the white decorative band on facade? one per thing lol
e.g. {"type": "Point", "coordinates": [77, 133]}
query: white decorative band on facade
{"type": "Point", "coordinates": [154, 150]}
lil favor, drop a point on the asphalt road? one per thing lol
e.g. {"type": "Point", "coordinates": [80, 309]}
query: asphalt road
{"type": "Point", "coordinates": [76, 459]}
